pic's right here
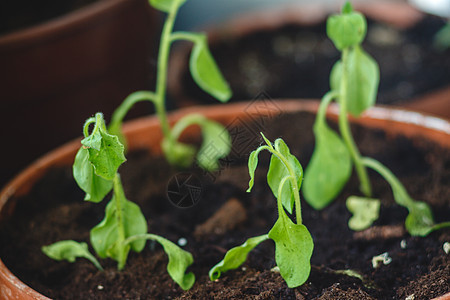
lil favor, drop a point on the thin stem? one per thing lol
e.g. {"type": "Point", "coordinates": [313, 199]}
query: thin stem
{"type": "Point", "coordinates": [86, 126]}
{"type": "Point", "coordinates": [396, 185]}
{"type": "Point", "coordinates": [344, 128]}
{"type": "Point", "coordinates": [186, 36]}
{"type": "Point", "coordinates": [163, 61]}
{"type": "Point", "coordinates": [326, 100]}
{"type": "Point", "coordinates": [298, 209]}
{"type": "Point", "coordinates": [118, 196]}
{"type": "Point", "coordinates": [137, 237]}
{"type": "Point", "coordinates": [125, 106]}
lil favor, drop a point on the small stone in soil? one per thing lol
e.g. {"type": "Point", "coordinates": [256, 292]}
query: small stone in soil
{"type": "Point", "coordinates": [446, 247]}
{"type": "Point", "coordinates": [182, 242]}
{"type": "Point", "coordinates": [403, 244]}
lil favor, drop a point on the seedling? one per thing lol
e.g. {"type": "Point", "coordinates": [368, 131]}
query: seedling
{"type": "Point", "coordinates": [354, 83]}
{"type": "Point", "coordinates": [293, 242]}
{"type": "Point", "coordinates": [207, 75]}
{"type": "Point", "coordinates": [124, 227]}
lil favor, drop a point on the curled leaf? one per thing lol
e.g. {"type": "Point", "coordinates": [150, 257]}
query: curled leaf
{"type": "Point", "coordinates": [106, 153]}
{"type": "Point", "coordinates": [206, 73]}
{"type": "Point", "coordinates": [179, 261]}
{"type": "Point", "coordinates": [419, 221]}
{"type": "Point", "coordinates": [95, 187]}
{"type": "Point", "coordinates": [329, 168]}
{"type": "Point", "coordinates": [278, 170]}
{"type": "Point", "coordinates": [236, 256]}
{"type": "Point", "coordinates": [216, 145]}
{"type": "Point", "coordinates": [70, 250]}
{"type": "Point", "coordinates": [365, 211]}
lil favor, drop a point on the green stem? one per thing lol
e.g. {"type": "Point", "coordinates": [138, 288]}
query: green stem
{"type": "Point", "coordinates": [118, 196]}
{"type": "Point", "coordinates": [86, 126]}
{"type": "Point", "coordinates": [138, 237]}
{"type": "Point", "coordinates": [125, 106]}
{"type": "Point", "coordinates": [163, 62]}
{"type": "Point", "coordinates": [344, 128]}
{"type": "Point", "coordinates": [186, 36]}
{"type": "Point", "coordinates": [298, 209]}
{"type": "Point", "coordinates": [396, 185]}
{"type": "Point", "coordinates": [321, 112]}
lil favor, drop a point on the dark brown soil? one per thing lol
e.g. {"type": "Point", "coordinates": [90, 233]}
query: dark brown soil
{"type": "Point", "coordinates": [19, 14]}
{"type": "Point", "coordinates": [295, 61]}
{"type": "Point", "coordinates": [420, 268]}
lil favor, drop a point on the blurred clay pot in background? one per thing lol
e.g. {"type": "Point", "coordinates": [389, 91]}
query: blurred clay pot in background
{"type": "Point", "coordinates": [56, 74]}
{"type": "Point", "coordinates": [285, 53]}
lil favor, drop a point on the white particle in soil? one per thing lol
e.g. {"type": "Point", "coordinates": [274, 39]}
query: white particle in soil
{"type": "Point", "coordinates": [384, 258]}
{"type": "Point", "coordinates": [244, 269]}
{"type": "Point", "coordinates": [403, 244]}
{"type": "Point", "coordinates": [182, 242]}
{"type": "Point", "coordinates": [275, 269]}
{"type": "Point", "coordinates": [100, 287]}
{"type": "Point", "coordinates": [446, 247]}
{"type": "Point", "coordinates": [410, 297]}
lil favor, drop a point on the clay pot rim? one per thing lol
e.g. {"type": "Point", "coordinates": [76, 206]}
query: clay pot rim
{"type": "Point", "coordinates": [65, 24]}
{"type": "Point", "coordinates": [394, 121]}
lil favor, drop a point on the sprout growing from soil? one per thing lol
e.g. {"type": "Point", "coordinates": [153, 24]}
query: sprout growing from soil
{"type": "Point", "coordinates": [354, 83]}
{"type": "Point", "coordinates": [293, 242]}
{"type": "Point", "coordinates": [205, 72]}
{"type": "Point", "coordinates": [124, 227]}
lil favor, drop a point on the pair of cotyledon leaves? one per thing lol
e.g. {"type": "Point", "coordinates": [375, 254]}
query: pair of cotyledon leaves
{"type": "Point", "coordinates": [293, 242]}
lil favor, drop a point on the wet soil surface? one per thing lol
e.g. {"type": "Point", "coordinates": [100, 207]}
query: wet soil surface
{"type": "Point", "coordinates": [295, 61]}
{"type": "Point", "coordinates": [419, 266]}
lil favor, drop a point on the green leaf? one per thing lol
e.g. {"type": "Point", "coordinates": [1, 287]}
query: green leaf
{"type": "Point", "coordinates": [278, 170]}
{"type": "Point", "coordinates": [363, 80]}
{"type": "Point", "coordinates": [346, 30]}
{"type": "Point", "coordinates": [179, 261]}
{"type": "Point", "coordinates": [252, 164]}
{"type": "Point", "coordinates": [205, 72]}
{"type": "Point", "coordinates": [107, 158]}
{"type": "Point", "coordinates": [96, 187]}
{"type": "Point", "coordinates": [293, 250]}
{"type": "Point", "coordinates": [178, 154]}
{"type": "Point", "coordinates": [365, 211]}
{"type": "Point", "coordinates": [70, 250]}
{"type": "Point", "coordinates": [236, 256]}
{"type": "Point", "coordinates": [216, 145]}
{"type": "Point", "coordinates": [419, 221]}
{"type": "Point", "coordinates": [329, 169]}
{"type": "Point", "coordinates": [166, 5]}
{"type": "Point", "coordinates": [106, 236]}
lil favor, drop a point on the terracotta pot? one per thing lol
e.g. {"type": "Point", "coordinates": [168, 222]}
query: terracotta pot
{"type": "Point", "coordinates": [398, 15]}
{"type": "Point", "coordinates": [393, 121]}
{"type": "Point", "coordinates": [55, 74]}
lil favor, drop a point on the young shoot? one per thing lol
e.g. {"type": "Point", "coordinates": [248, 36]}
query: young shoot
{"type": "Point", "coordinates": [124, 227]}
{"type": "Point", "coordinates": [293, 242]}
{"type": "Point", "coordinates": [354, 83]}
{"type": "Point", "coordinates": [205, 72]}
